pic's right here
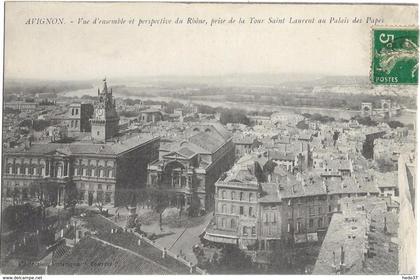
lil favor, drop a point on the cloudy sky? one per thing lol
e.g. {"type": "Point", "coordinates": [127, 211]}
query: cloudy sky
{"type": "Point", "coordinates": [73, 51]}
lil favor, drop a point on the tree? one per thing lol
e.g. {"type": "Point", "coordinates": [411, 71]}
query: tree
{"type": "Point", "coordinates": [395, 124]}
{"type": "Point", "coordinates": [233, 261]}
{"type": "Point", "coordinates": [100, 205]}
{"type": "Point", "coordinates": [302, 125]}
{"type": "Point", "coordinates": [71, 196]}
{"type": "Point", "coordinates": [160, 201]}
{"type": "Point", "coordinates": [45, 192]}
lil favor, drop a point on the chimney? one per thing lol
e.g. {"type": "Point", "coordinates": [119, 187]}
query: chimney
{"type": "Point", "coordinates": [342, 257]}
{"type": "Point", "coordinates": [385, 227]}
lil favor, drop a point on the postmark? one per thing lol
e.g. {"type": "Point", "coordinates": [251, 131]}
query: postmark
{"type": "Point", "coordinates": [395, 56]}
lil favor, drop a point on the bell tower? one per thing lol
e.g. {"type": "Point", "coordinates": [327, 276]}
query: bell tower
{"type": "Point", "coordinates": [105, 117]}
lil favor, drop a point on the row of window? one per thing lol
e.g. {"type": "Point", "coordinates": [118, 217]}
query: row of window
{"type": "Point", "coordinates": [74, 124]}
{"type": "Point", "coordinates": [94, 172]}
{"type": "Point", "coordinates": [74, 111]}
{"type": "Point", "coordinates": [101, 196]}
{"type": "Point", "coordinates": [91, 186]}
{"type": "Point", "coordinates": [311, 224]}
{"type": "Point", "coordinates": [233, 210]}
{"type": "Point", "coordinates": [60, 171]}
{"type": "Point", "coordinates": [242, 196]}
{"type": "Point", "coordinates": [246, 230]}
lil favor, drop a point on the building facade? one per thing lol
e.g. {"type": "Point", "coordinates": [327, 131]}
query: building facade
{"type": "Point", "coordinates": [105, 118]}
{"type": "Point", "coordinates": [78, 118]}
{"type": "Point", "coordinates": [258, 215]}
{"type": "Point", "coordinates": [100, 172]}
{"type": "Point", "coordinates": [192, 166]}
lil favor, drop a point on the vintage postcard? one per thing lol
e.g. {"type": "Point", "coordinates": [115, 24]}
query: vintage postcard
{"type": "Point", "coordinates": [209, 138]}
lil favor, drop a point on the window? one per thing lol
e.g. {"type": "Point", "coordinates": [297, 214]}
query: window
{"type": "Point", "coordinates": [319, 210]}
{"type": "Point", "coordinates": [245, 231]}
{"type": "Point", "coordinates": [311, 223]}
{"type": "Point", "coordinates": [241, 210]}
{"type": "Point", "coordinates": [108, 197]}
{"type": "Point", "coordinates": [82, 195]}
{"type": "Point", "coordinates": [100, 196]}
{"type": "Point", "coordinates": [232, 195]}
{"type": "Point", "coordinates": [329, 208]}
{"type": "Point", "coordinates": [288, 227]}
{"type": "Point", "coordinates": [320, 222]}
{"type": "Point", "coordinates": [232, 209]}
{"type": "Point", "coordinates": [250, 211]}
{"type": "Point", "coordinates": [253, 231]}
{"type": "Point", "coordinates": [232, 223]}
{"type": "Point", "coordinates": [298, 226]}
{"type": "Point", "coordinates": [251, 197]}
{"type": "Point", "coordinates": [241, 196]}
{"type": "Point", "coordinates": [223, 194]}
{"type": "Point", "coordinates": [99, 186]}
{"type": "Point", "coordinates": [224, 208]}
{"type": "Point", "coordinates": [97, 133]}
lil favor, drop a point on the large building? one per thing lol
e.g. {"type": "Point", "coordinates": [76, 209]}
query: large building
{"type": "Point", "coordinates": [191, 167]}
{"type": "Point", "coordinates": [258, 215]}
{"type": "Point", "coordinates": [78, 118]}
{"type": "Point", "coordinates": [100, 171]}
{"type": "Point", "coordinates": [21, 105]}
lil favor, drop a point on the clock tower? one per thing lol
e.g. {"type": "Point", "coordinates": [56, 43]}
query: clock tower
{"type": "Point", "coordinates": [105, 118]}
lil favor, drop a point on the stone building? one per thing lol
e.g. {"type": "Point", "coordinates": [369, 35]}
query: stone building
{"type": "Point", "coordinates": [107, 172]}
{"type": "Point", "coordinates": [245, 144]}
{"type": "Point", "coordinates": [77, 118]}
{"type": "Point", "coordinates": [191, 167]}
{"type": "Point", "coordinates": [105, 119]}
{"type": "Point", "coordinates": [258, 215]}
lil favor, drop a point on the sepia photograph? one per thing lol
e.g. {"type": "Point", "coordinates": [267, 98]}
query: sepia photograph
{"type": "Point", "coordinates": [152, 138]}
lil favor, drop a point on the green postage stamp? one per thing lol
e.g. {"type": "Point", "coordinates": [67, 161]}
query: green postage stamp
{"type": "Point", "coordinates": [395, 56]}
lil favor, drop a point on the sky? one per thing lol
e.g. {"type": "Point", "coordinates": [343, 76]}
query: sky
{"type": "Point", "coordinates": [86, 51]}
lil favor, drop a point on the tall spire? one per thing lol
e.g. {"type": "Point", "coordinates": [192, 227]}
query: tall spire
{"type": "Point", "coordinates": [105, 88]}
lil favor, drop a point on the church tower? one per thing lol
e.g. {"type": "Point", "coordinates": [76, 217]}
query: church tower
{"type": "Point", "coordinates": [105, 117]}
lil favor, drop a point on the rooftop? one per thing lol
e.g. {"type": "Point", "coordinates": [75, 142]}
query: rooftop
{"type": "Point", "coordinates": [362, 235]}
{"type": "Point", "coordinates": [117, 147]}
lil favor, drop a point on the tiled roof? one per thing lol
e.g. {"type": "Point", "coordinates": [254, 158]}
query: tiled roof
{"type": "Point", "coordinates": [206, 141]}
{"type": "Point", "coordinates": [85, 148]}
{"type": "Point", "coordinates": [244, 140]}
{"type": "Point", "coordinates": [277, 155]}
{"type": "Point", "coordinates": [185, 151]}
{"type": "Point", "coordinates": [388, 179]}
{"type": "Point", "coordinates": [292, 188]}
{"type": "Point", "coordinates": [360, 229]}
{"type": "Point", "coordinates": [90, 256]}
